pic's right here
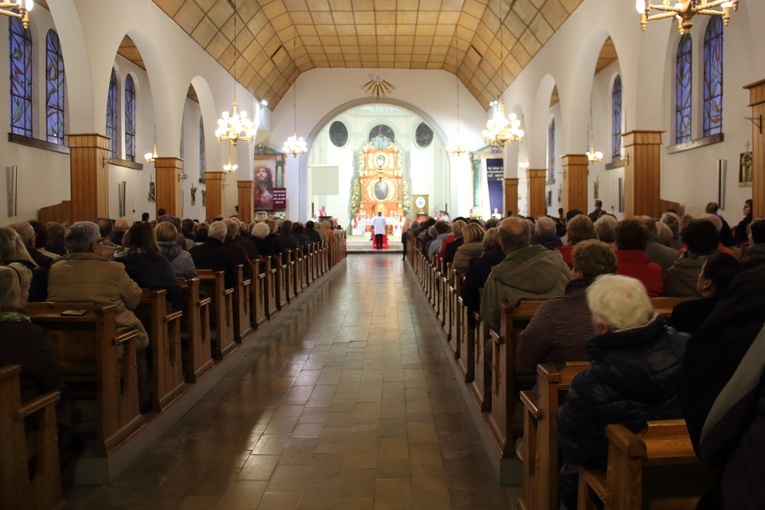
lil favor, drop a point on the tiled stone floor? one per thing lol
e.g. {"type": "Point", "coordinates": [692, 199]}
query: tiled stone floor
{"type": "Point", "coordinates": [349, 404]}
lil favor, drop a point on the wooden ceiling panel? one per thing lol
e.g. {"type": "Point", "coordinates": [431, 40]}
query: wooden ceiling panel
{"type": "Point", "coordinates": [464, 37]}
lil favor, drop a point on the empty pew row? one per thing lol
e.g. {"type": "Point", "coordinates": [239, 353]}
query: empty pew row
{"type": "Point", "coordinates": [495, 388]}
{"type": "Point", "coordinates": [186, 341]}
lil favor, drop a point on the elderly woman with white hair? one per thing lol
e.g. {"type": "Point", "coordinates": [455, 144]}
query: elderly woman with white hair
{"type": "Point", "coordinates": [259, 233]}
{"type": "Point", "coordinates": [636, 361]}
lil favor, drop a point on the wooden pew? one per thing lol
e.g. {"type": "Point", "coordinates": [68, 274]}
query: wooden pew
{"type": "Point", "coordinates": [507, 373]}
{"type": "Point", "coordinates": [164, 331]}
{"type": "Point", "coordinates": [222, 334]}
{"type": "Point", "coordinates": [21, 448]}
{"type": "Point", "coordinates": [540, 434]}
{"type": "Point", "coordinates": [259, 294]}
{"type": "Point", "coordinates": [481, 385]}
{"type": "Point", "coordinates": [195, 330]}
{"type": "Point", "coordinates": [242, 297]}
{"type": "Point", "coordinates": [272, 281]}
{"type": "Point", "coordinates": [655, 469]}
{"type": "Point", "coordinates": [98, 363]}
{"type": "Point", "coordinates": [282, 281]}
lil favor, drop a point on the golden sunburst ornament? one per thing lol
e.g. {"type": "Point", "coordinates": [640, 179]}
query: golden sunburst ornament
{"type": "Point", "coordinates": [377, 86]}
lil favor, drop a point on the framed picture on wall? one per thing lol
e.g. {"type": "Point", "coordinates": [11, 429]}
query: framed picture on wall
{"type": "Point", "coordinates": [745, 169]}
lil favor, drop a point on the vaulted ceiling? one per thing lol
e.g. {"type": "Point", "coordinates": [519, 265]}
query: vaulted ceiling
{"type": "Point", "coordinates": [276, 40]}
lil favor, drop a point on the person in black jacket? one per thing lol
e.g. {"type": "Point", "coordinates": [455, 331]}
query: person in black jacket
{"type": "Point", "coordinates": [312, 233]}
{"type": "Point", "coordinates": [259, 233]}
{"type": "Point", "coordinates": [722, 392]}
{"type": "Point", "coordinates": [239, 253]}
{"type": "Point", "coordinates": [144, 262]}
{"type": "Point", "coordinates": [479, 270]}
{"type": "Point", "coordinates": [211, 254]}
{"type": "Point", "coordinates": [636, 360]}
{"type": "Point", "coordinates": [716, 275]}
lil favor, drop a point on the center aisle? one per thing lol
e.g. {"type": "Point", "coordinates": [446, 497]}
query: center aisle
{"type": "Point", "coordinates": [349, 403]}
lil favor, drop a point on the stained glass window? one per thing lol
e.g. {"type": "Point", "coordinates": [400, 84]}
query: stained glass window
{"type": "Point", "coordinates": [54, 89]}
{"type": "Point", "coordinates": [551, 152]}
{"type": "Point", "coordinates": [113, 115]}
{"type": "Point", "coordinates": [616, 120]}
{"type": "Point", "coordinates": [129, 118]}
{"type": "Point", "coordinates": [20, 57]}
{"type": "Point", "coordinates": [713, 77]}
{"type": "Point", "coordinates": [683, 70]}
{"type": "Point", "coordinates": [202, 162]}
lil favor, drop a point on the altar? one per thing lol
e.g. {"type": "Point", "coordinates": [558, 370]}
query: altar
{"type": "Point", "coordinates": [393, 226]}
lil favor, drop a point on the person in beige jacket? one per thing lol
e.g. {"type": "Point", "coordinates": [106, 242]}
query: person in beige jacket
{"type": "Point", "coordinates": [472, 246]}
{"type": "Point", "coordinates": [84, 276]}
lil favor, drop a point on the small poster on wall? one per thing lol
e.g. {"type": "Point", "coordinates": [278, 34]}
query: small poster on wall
{"type": "Point", "coordinates": [280, 198]}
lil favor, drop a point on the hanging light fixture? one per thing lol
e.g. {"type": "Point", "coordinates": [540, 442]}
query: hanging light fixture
{"type": "Point", "coordinates": [151, 157]}
{"type": "Point", "coordinates": [684, 11]}
{"type": "Point", "coordinates": [593, 156]}
{"type": "Point", "coordinates": [18, 9]}
{"type": "Point", "coordinates": [229, 167]}
{"type": "Point", "coordinates": [500, 130]}
{"type": "Point", "coordinates": [455, 146]}
{"type": "Point", "coordinates": [294, 145]}
{"type": "Point", "coordinates": [235, 126]}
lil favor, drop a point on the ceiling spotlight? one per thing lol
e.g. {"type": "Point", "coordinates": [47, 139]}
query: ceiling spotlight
{"type": "Point", "coordinates": [264, 102]}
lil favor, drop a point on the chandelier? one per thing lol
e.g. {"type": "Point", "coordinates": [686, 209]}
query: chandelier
{"type": "Point", "coordinates": [235, 126]}
{"type": "Point", "coordinates": [294, 145]}
{"type": "Point", "coordinates": [500, 130]}
{"type": "Point", "coordinates": [593, 156]}
{"type": "Point", "coordinates": [229, 168]}
{"type": "Point", "coordinates": [684, 10]}
{"type": "Point", "coordinates": [18, 9]}
{"type": "Point", "coordinates": [151, 157]}
{"type": "Point", "coordinates": [454, 146]}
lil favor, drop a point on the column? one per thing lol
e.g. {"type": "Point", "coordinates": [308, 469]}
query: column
{"type": "Point", "coordinates": [642, 175]}
{"type": "Point", "coordinates": [575, 182]}
{"type": "Point", "coordinates": [757, 102]}
{"type": "Point", "coordinates": [476, 165]}
{"type": "Point", "coordinates": [169, 171]}
{"type": "Point", "coordinates": [536, 192]}
{"type": "Point", "coordinates": [89, 174]}
{"type": "Point", "coordinates": [213, 195]}
{"type": "Point", "coordinates": [511, 195]}
{"type": "Point", "coordinates": [246, 190]}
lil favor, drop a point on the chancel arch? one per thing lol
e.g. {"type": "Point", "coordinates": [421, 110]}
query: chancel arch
{"type": "Point", "coordinates": [429, 167]}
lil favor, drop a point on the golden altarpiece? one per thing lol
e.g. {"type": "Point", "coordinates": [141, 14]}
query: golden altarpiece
{"type": "Point", "coordinates": [380, 182]}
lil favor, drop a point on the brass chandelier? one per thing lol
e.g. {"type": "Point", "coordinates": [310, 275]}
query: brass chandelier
{"type": "Point", "coordinates": [235, 126]}
{"type": "Point", "coordinates": [684, 11]}
{"type": "Point", "coordinates": [294, 145]}
{"type": "Point", "coordinates": [18, 9]}
{"type": "Point", "coordinates": [455, 146]}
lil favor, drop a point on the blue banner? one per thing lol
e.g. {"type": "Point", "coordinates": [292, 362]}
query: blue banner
{"type": "Point", "coordinates": [495, 174]}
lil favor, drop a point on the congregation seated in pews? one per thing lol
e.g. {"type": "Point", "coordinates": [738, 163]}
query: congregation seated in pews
{"type": "Point", "coordinates": [624, 410]}
{"type": "Point", "coordinates": [118, 334]}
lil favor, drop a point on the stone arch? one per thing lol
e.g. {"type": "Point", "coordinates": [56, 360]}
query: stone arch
{"type": "Point", "coordinates": [538, 137]}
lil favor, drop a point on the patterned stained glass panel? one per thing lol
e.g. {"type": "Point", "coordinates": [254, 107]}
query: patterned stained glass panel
{"type": "Point", "coordinates": [551, 152]}
{"type": "Point", "coordinates": [683, 92]}
{"type": "Point", "coordinates": [713, 77]}
{"type": "Point", "coordinates": [113, 115]}
{"type": "Point", "coordinates": [55, 91]}
{"type": "Point", "coordinates": [20, 61]}
{"type": "Point", "coordinates": [202, 155]}
{"type": "Point", "coordinates": [129, 118]}
{"type": "Point", "coordinates": [616, 120]}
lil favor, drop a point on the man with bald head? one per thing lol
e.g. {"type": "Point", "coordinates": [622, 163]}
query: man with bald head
{"type": "Point", "coordinates": [27, 233]}
{"type": "Point", "coordinates": [120, 227]}
{"type": "Point", "coordinates": [659, 254]}
{"type": "Point", "coordinates": [528, 272]}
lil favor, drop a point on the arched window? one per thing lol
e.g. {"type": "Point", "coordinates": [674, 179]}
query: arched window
{"type": "Point", "coordinates": [616, 120]}
{"type": "Point", "coordinates": [202, 162]}
{"type": "Point", "coordinates": [683, 70]}
{"type": "Point", "coordinates": [129, 118]}
{"type": "Point", "coordinates": [113, 115]}
{"type": "Point", "coordinates": [551, 152]}
{"type": "Point", "coordinates": [20, 57]}
{"type": "Point", "coordinates": [54, 89]}
{"type": "Point", "coordinates": [713, 77]}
